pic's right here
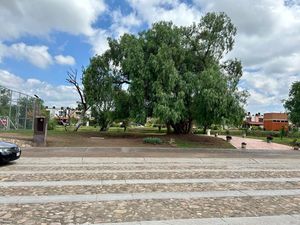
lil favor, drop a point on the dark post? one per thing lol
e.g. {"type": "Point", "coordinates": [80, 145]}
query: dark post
{"type": "Point", "coordinates": [40, 131]}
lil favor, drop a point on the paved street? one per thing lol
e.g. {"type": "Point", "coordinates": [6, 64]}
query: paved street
{"type": "Point", "coordinates": [149, 191]}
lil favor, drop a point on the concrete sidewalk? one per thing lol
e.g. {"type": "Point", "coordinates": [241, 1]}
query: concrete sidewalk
{"type": "Point", "coordinates": [256, 144]}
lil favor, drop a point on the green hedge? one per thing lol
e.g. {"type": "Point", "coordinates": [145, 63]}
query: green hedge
{"type": "Point", "coordinates": [152, 140]}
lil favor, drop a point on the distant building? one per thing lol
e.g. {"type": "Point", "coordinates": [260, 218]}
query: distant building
{"type": "Point", "coordinates": [276, 121]}
{"type": "Point", "coordinates": [64, 114]}
{"type": "Point", "coordinates": [256, 120]}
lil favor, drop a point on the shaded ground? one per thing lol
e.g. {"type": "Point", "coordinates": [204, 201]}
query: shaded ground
{"type": "Point", "coordinates": [121, 139]}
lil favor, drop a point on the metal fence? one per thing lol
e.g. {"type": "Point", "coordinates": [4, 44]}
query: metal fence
{"type": "Point", "coordinates": [17, 109]}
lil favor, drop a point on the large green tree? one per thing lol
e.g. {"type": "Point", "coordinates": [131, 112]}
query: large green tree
{"type": "Point", "coordinates": [176, 74]}
{"type": "Point", "coordinates": [292, 104]}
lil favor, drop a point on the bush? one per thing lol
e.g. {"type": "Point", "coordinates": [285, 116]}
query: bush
{"type": "Point", "coordinates": [270, 137]}
{"type": "Point", "coordinates": [73, 121]}
{"type": "Point", "coordinates": [215, 127]}
{"type": "Point", "coordinates": [295, 143]}
{"type": "Point", "coordinates": [52, 124]}
{"type": "Point", "coordinates": [294, 134]}
{"type": "Point", "coordinates": [152, 140]}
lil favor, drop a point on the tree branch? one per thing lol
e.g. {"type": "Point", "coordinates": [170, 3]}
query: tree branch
{"type": "Point", "coordinates": [72, 79]}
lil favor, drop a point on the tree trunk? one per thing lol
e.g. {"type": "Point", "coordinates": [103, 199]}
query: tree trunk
{"type": "Point", "coordinates": [80, 121]}
{"type": "Point", "coordinates": [182, 127]}
{"type": "Point", "coordinates": [103, 128]}
{"type": "Point", "coordinates": [168, 128]}
{"type": "Point", "coordinates": [204, 129]}
{"type": "Point", "coordinates": [78, 125]}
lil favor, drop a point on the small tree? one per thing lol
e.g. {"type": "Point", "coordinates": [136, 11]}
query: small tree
{"type": "Point", "coordinates": [292, 104]}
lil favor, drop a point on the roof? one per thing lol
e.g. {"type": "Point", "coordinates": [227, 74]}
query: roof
{"type": "Point", "coordinates": [254, 123]}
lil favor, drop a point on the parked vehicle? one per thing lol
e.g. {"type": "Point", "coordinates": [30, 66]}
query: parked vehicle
{"type": "Point", "coordinates": [9, 152]}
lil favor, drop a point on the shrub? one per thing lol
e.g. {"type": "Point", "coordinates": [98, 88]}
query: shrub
{"type": "Point", "coordinates": [228, 137]}
{"type": "Point", "coordinates": [73, 121]}
{"type": "Point", "coordinates": [152, 140]}
{"type": "Point", "coordinates": [270, 137]}
{"type": "Point", "coordinates": [215, 127]}
{"type": "Point", "coordinates": [52, 124]}
{"type": "Point", "coordinates": [295, 143]}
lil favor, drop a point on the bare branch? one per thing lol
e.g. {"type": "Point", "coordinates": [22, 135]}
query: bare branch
{"type": "Point", "coordinates": [72, 79]}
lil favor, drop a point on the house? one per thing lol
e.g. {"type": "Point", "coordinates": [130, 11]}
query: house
{"type": "Point", "coordinates": [256, 120]}
{"type": "Point", "coordinates": [65, 114]}
{"type": "Point", "coordinates": [276, 121]}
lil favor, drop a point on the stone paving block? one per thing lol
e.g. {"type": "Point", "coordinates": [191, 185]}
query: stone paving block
{"type": "Point", "coordinates": [114, 197]}
{"type": "Point", "coordinates": [150, 197]}
{"type": "Point", "coordinates": [263, 220]}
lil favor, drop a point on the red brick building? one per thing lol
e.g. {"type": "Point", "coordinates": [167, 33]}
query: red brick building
{"type": "Point", "coordinates": [275, 121]}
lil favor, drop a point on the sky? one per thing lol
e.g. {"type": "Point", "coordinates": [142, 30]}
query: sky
{"type": "Point", "coordinates": [40, 40]}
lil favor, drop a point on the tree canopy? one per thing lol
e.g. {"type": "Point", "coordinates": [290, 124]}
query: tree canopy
{"type": "Point", "coordinates": [176, 74]}
{"type": "Point", "coordinates": [292, 104]}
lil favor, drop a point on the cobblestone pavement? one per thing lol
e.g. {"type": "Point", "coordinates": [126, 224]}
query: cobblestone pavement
{"type": "Point", "coordinates": [135, 191]}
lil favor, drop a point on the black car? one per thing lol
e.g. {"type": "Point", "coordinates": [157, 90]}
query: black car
{"type": "Point", "coordinates": [9, 151]}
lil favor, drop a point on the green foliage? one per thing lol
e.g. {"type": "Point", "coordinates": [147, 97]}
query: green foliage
{"type": "Point", "coordinates": [175, 74]}
{"type": "Point", "coordinates": [121, 105]}
{"type": "Point", "coordinates": [292, 104]}
{"type": "Point", "coordinates": [98, 86]}
{"type": "Point", "coordinates": [295, 142]}
{"type": "Point", "coordinates": [152, 140]}
{"type": "Point", "coordinates": [102, 116]}
{"type": "Point", "coordinates": [73, 120]}
{"type": "Point", "coordinates": [52, 123]}
{"type": "Point", "coordinates": [256, 128]}
{"type": "Point", "coordinates": [282, 132]}
{"type": "Point", "coordinates": [4, 102]}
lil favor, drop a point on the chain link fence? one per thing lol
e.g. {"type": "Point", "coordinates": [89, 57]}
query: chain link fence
{"type": "Point", "coordinates": [17, 109]}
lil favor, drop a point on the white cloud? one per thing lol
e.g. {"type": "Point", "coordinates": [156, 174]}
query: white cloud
{"type": "Point", "coordinates": [268, 42]}
{"type": "Point", "coordinates": [267, 92]}
{"type": "Point", "coordinates": [99, 41]}
{"type": "Point", "coordinates": [65, 60]}
{"type": "Point", "coordinates": [37, 55]}
{"type": "Point", "coordinates": [129, 20]}
{"type": "Point", "coordinates": [152, 11]}
{"type": "Point", "coordinates": [39, 18]}
{"type": "Point", "coordinates": [123, 23]}
{"type": "Point", "coordinates": [61, 95]}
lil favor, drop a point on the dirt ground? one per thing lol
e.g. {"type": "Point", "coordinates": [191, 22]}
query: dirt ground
{"type": "Point", "coordinates": [97, 139]}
